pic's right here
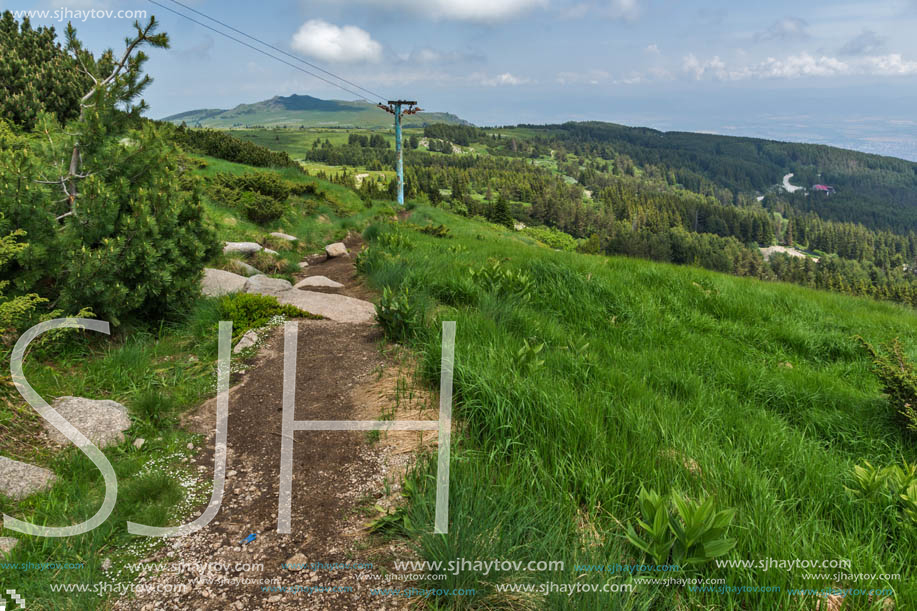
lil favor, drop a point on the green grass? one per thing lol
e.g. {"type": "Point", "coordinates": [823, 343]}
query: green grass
{"type": "Point", "coordinates": [681, 365]}
{"type": "Point", "coordinates": [155, 375]}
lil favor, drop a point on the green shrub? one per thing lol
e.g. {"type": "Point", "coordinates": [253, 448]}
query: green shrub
{"type": "Point", "coordinates": [398, 314]}
{"type": "Point", "coordinates": [260, 208]}
{"type": "Point", "coordinates": [225, 146]}
{"type": "Point", "coordinates": [891, 485]}
{"type": "Point", "coordinates": [551, 237]}
{"type": "Point", "coordinates": [265, 183]}
{"type": "Point", "coordinates": [247, 311]}
{"type": "Point", "coordinates": [898, 378]}
{"type": "Point", "coordinates": [493, 276]}
{"type": "Point", "coordinates": [13, 310]}
{"type": "Point", "coordinates": [691, 536]}
{"type": "Point", "coordinates": [437, 231]}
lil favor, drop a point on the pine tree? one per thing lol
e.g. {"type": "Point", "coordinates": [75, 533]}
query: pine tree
{"type": "Point", "coordinates": [499, 213]}
{"type": "Point", "coordinates": [36, 74]}
{"type": "Point", "coordinates": [126, 240]}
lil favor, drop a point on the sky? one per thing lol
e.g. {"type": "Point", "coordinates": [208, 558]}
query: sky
{"type": "Point", "coordinates": [841, 73]}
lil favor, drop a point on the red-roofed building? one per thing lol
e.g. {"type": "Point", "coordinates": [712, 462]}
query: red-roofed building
{"type": "Point", "coordinates": [824, 189]}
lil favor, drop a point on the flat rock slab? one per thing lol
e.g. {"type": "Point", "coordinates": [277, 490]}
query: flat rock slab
{"type": "Point", "coordinates": [266, 285]}
{"type": "Point", "coordinates": [322, 281]}
{"type": "Point", "coordinates": [7, 544]}
{"type": "Point", "coordinates": [218, 282]}
{"type": "Point", "coordinates": [18, 479]}
{"type": "Point", "coordinates": [102, 421]}
{"type": "Point", "coordinates": [338, 249]}
{"type": "Point", "coordinates": [246, 248]}
{"type": "Point", "coordinates": [243, 268]}
{"type": "Point", "coordinates": [284, 236]}
{"type": "Point", "coordinates": [339, 308]}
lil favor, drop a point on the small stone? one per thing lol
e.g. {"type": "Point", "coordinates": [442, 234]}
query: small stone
{"type": "Point", "coordinates": [296, 562]}
{"type": "Point", "coordinates": [269, 251]}
{"type": "Point", "coordinates": [247, 341]}
{"type": "Point", "coordinates": [303, 264]}
{"type": "Point", "coordinates": [190, 446]}
{"type": "Point", "coordinates": [284, 236]}
{"type": "Point", "coordinates": [7, 544]}
{"type": "Point", "coordinates": [18, 479]}
{"type": "Point", "coordinates": [106, 564]}
{"type": "Point", "coordinates": [336, 250]}
{"type": "Point", "coordinates": [274, 599]}
{"type": "Point", "coordinates": [138, 443]}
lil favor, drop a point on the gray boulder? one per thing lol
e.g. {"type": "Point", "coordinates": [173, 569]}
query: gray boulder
{"type": "Point", "coordinates": [245, 248]}
{"type": "Point", "coordinates": [284, 236]}
{"type": "Point", "coordinates": [19, 480]}
{"type": "Point", "coordinates": [303, 264]}
{"type": "Point", "coordinates": [243, 268]}
{"type": "Point", "coordinates": [321, 281]}
{"type": "Point", "coordinates": [217, 282]}
{"type": "Point", "coordinates": [246, 341]}
{"type": "Point", "coordinates": [339, 308]}
{"type": "Point", "coordinates": [265, 285]}
{"type": "Point", "coordinates": [102, 421]}
{"type": "Point", "coordinates": [335, 250]}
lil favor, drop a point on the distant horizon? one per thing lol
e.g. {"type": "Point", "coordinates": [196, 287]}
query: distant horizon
{"type": "Point", "coordinates": [906, 150]}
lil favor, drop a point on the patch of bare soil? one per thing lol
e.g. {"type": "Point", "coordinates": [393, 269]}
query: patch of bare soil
{"type": "Point", "coordinates": [341, 479]}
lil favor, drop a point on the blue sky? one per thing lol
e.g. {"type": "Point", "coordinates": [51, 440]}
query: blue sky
{"type": "Point", "coordinates": [842, 73]}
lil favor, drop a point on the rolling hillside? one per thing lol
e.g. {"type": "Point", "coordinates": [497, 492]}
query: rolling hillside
{"type": "Point", "coordinates": [303, 110]}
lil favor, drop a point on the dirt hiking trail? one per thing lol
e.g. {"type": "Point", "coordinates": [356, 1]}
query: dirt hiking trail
{"type": "Point", "coordinates": [344, 372]}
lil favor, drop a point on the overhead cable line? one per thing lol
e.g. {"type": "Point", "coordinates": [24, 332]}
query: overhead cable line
{"type": "Point", "coordinates": [279, 50]}
{"type": "Point", "coordinates": [263, 52]}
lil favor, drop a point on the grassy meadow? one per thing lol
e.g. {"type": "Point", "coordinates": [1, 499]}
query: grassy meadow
{"type": "Point", "coordinates": [655, 376]}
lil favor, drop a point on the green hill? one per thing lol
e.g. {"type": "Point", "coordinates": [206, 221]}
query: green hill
{"type": "Point", "coordinates": [582, 379]}
{"type": "Point", "coordinates": [303, 110]}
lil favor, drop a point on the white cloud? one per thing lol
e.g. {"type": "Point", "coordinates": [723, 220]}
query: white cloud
{"type": "Point", "coordinates": [460, 10]}
{"type": "Point", "coordinates": [501, 79]}
{"type": "Point", "coordinates": [799, 66]}
{"type": "Point", "coordinates": [788, 29]}
{"type": "Point", "coordinates": [591, 77]}
{"type": "Point", "coordinates": [699, 69]}
{"type": "Point", "coordinates": [428, 55]}
{"type": "Point", "coordinates": [653, 49]}
{"type": "Point", "coordinates": [891, 65]}
{"type": "Point", "coordinates": [795, 66]}
{"type": "Point", "coordinates": [332, 43]}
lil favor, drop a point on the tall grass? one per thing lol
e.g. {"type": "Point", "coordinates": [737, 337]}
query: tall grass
{"type": "Point", "coordinates": [654, 376]}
